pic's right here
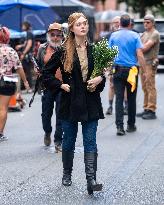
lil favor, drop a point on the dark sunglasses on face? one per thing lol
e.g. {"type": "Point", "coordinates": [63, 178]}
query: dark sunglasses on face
{"type": "Point", "coordinates": [55, 34]}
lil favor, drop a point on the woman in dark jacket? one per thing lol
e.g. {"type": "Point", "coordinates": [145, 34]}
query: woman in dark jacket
{"type": "Point", "coordinates": [78, 102]}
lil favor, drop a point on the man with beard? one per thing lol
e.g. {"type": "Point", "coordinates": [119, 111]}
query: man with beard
{"type": "Point", "coordinates": [54, 40]}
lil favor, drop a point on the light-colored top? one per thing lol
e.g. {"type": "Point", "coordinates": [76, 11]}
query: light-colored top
{"type": "Point", "coordinates": [127, 42]}
{"type": "Point", "coordinates": [154, 36]}
{"type": "Point", "coordinates": [9, 60]}
{"type": "Point", "coordinates": [82, 54]}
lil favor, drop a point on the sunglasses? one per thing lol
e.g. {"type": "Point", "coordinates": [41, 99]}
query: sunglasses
{"type": "Point", "coordinates": [55, 34]}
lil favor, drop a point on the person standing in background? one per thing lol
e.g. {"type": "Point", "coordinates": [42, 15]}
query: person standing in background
{"type": "Point", "coordinates": [26, 50]}
{"type": "Point", "coordinates": [150, 39]}
{"type": "Point", "coordinates": [130, 52]}
{"type": "Point", "coordinates": [115, 25]}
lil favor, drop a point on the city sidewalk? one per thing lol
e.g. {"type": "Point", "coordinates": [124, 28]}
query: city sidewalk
{"type": "Point", "coordinates": [131, 167]}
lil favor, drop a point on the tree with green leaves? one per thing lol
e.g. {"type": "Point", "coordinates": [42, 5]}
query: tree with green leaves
{"type": "Point", "coordinates": [140, 6]}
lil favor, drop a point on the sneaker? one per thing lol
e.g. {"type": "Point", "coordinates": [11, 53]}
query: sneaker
{"type": "Point", "coordinates": [3, 138]}
{"type": "Point", "coordinates": [109, 111]}
{"type": "Point", "coordinates": [47, 139]}
{"type": "Point", "coordinates": [131, 128]}
{"type": "Point", "coordinates": [14, 109]}
{"type": "Point", "coordinates": [125, 110]}
{"type": "Point", "coordinates": [140, 114]}
{"type": "Point", "coordinates": [120, 131]}
{"type": "Point", "coordinates": [149, 115]}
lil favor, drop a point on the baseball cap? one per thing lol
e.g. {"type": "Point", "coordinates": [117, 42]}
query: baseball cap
{"type": "Point", "coordinates": [149, 17]}
{"type": "Point", "coordinates": [55, 26]}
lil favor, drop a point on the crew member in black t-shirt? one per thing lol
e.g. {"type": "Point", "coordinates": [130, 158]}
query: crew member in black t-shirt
{"type": "Point", "coordinates": [26, 50]}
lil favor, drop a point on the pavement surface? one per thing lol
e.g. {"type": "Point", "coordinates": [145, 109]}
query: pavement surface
{"type": "Point", "coordinates": [131, 167]}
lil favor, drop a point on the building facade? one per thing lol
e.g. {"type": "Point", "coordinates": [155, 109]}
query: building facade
{"type": "Point", "coordinates": [99, 6]}
{"type": "Point", "coordinates": [102, 6]}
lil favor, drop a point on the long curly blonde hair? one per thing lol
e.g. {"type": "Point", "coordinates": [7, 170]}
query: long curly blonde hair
{"type": "Point", "coordinates": [69, 43]}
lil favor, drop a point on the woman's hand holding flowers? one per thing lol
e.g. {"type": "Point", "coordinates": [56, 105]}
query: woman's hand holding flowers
{"type": "Point", "coordinates": [92, 84]}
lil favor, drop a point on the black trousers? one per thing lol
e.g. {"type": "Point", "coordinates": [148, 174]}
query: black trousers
{"type": "Point", "coordinates": [27, 67]}
{"type": "Point", "coordinates": [48, 100]}
{"type": "Point", "coordinates": [120, 83]}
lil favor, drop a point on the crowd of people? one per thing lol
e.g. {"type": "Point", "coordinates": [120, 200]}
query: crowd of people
{"type": "Point", "coordinates": [134, 50]}
{"type": "Point", "coordinates": [66, 65]}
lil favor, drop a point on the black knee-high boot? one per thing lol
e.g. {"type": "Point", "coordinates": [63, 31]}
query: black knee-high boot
{"type": "Point", "coordinates": [90, 160]}
{"type": "Point", "coordinates": [67, 158]}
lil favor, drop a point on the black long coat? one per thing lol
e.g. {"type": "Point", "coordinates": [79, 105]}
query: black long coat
{"type": "Point", "coordinates": [79, 104]}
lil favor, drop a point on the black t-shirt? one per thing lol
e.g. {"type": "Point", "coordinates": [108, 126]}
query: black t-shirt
{"type": "Point", "coordinates": [30, 36]}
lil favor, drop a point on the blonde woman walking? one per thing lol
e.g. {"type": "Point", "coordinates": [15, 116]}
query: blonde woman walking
{"type": "Point", "coordinates": [78, 104]}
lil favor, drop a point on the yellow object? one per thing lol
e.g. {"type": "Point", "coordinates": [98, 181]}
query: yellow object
{"type": "Point", "coordinates": [132, 77]}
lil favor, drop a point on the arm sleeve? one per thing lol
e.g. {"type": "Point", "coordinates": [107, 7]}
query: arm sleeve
{"type": "Point", "coordinates": [49, 80]}
{"type": "Point", "coordinates": [138, 42]}
{"type": "Point", "coordinates": [29, 36]}
{"type": "Point", "coordinates": [39, 52]}
{"type": "Point", "coordinates": [38, 57]}
{"type": "Point", "coordinates": [154, 37]}
{"type": "Point", "coordinates": [52, 84]}
{"type": "Point", "coordinates": [100, 86]}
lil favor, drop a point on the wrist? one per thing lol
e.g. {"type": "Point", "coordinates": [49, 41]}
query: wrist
{"type": "Point", "coordinates": [102, 76]}
{"type": "Point", "coordinates": [110, 74]}
{"type": "Point", "coordinates": [25, 81]}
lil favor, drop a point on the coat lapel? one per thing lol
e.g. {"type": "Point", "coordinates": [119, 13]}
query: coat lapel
{"type": "Point", "coordinates": [77, 67]}
{"type": "Point", "coordinates": [90, 61]}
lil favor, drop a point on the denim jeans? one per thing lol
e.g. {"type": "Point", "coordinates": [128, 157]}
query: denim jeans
{"type": "Point", "coordinates": [48, 100]}
{"type": "Point", "coordinates": [120, 82]}
{"type": "Point", "coordinates": [70, 130]}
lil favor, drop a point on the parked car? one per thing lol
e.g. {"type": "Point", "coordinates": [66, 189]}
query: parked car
{"type": "Point", "coordinates": [159, 24]}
